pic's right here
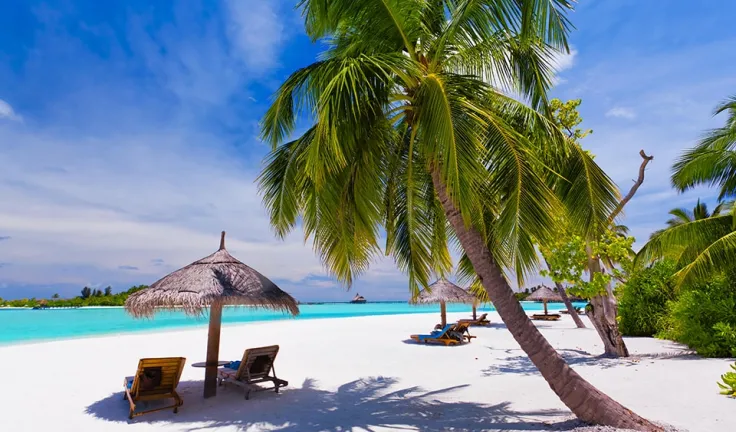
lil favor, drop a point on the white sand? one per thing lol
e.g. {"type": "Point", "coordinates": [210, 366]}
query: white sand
{"type": "Point", "coordinates": [356, 374]}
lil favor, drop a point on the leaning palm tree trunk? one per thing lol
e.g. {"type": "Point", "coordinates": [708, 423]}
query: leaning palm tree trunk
{"type": "Point", "coordinates": [584, 400]}
{"type": "Point", "coordinates": [568, 304]}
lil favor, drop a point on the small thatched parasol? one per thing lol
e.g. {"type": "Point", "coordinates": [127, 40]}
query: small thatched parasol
{"type": "Point", "coordinates": [214, 281]}
{"type": "Point", "coordinates": [443, 292]}
{"type": "Point", "coordinates": [544, 294]}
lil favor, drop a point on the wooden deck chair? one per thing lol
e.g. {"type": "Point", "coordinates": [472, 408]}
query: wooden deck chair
{"type": "Point", "coordinates": [463, 328]}
{"type": "Point", "coordinates": [439, 336]}
{"type": "Point", "coordinates": [546, 317]}
{"type": "Point", "coordinates": [480, 321]}
{"type": "Point", "coordinates": [255, 368]}
{"type": "Point", "coordinates": [580, 311]}
{"type": "Point", "coordinates": [156, 378]}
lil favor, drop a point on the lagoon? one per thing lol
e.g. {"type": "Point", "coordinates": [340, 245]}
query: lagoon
{"type": "Point", "coordinates": [28, 325]}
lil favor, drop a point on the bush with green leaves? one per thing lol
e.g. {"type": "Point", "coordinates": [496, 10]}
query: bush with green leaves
{"type": "Point", "coordinates": [728, 386]}
{"type": "Point", "coordinates": [642, 300]}
{"type": "Point", "coordinates": [704, 317]}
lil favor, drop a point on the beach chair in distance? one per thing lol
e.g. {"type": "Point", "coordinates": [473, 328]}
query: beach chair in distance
{"type": "Point", "coordinates": [255, 368]}
{"type": "Point", "coordinates": [439, 336]}
{"type": "Point", "coordinates": [480, 321]}
{"type": "Point", "coordinates": [546, 317]}
{"type": "Point", "coordinates": [580, 311]}
{"type": "Point", "coordinates": [155, 379]}
{"type": "Point", "coordinates": [462, 328]}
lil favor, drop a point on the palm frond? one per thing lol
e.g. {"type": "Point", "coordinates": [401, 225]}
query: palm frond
{"type": "Point", "coordinates": [693, 236]}
{"type": "Point", "coordinates": [713, 160]}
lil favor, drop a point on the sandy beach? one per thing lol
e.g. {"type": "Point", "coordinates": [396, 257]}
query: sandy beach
{"type": "Point", "coordinates": [357, 374]}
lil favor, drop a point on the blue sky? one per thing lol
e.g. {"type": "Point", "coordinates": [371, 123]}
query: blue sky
{"type": "Point", "coordinates": [128, 130]}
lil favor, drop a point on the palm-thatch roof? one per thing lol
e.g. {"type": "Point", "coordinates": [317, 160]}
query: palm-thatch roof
{"type": "Point", "coordinates": [443, 291]}
{"type": "Point", "coordinates": [544, 294]}
{"type": "Point", "coordinates": [218, 278]}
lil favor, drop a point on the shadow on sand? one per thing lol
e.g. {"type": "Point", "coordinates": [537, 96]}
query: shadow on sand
{"type": "Point", "coordinates": [367, 403]}
{"type": "Point", "coordinates": [522, 365]}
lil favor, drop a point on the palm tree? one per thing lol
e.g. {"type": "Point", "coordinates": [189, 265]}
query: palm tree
{"type": "Point", "coordinates": [702, 243]}
{"type": "Point", "coordinates": [411, 134]}
{"type": "Point", "coordinates": [700, 211]}
{"type": "Point", "coordinates": [713, 160]}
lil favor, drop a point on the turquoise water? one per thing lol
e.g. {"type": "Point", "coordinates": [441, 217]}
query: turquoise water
{"type": "Point", "coordinates": [25, 325]}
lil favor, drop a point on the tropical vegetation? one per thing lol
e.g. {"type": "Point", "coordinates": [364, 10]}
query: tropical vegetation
{"type": "Point", "coordinates": [643, 299]}
{"type": "Point", "coordinates": [696, 248]}
{"type": "Point", "coordinates": [706, 245]}
{"type": "Point", "coordinates": [411, 132]}
{"type": "Point", "coordinates": [728, 382]}
{"type": "Point", "coordinates": [87, 297]}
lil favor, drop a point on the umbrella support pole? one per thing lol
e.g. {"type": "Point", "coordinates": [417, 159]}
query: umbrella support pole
{"type": "Point", "coordinates": [443, 313]}
{"type": "Point", "coordinates": [213, 350]}
{"type": "Point", "coordinates": [545, 307]}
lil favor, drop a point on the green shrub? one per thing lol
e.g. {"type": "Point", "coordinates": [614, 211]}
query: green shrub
{"type": "Point", "coordinates": [728, 387]}
{"type": "Point", "coordinates": [642, 300]}
{"type": "Point", "coordinates": [704, 318]}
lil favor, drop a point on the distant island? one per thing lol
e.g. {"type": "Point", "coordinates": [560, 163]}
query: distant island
{"type": "Point", "coordinates": [88, 297]}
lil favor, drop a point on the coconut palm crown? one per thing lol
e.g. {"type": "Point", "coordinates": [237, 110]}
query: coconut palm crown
{"type": "Point", "coordinates": [408, 87]}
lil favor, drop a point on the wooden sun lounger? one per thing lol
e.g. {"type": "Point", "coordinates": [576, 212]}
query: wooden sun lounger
{"type": "Point", "coordinates": [437, 336]}
{"type": "Point", "coordinates": [480, 321]}
{"type": "Point", "coordinates": [580, 311]}
{"type": "Point", "coordinates": [156, 378]}
{"type": "Point", "coordinates": [462, 327]}
{"type": "Point", "coordinates": [255, 368]}
{"type": "Point", "coordinates": [446, 335]}
{"type": "Point", "coordinates": [546, 317]}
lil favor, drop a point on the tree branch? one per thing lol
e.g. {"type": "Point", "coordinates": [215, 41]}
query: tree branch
{"type": "Point", "coordinates": [634, 187]}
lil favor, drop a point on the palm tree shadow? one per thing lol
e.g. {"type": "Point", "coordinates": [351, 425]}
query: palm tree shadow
{"type": "Point", "coordinates": [366, 403]}
{"type": "Point", "coordinates": [522, 365]}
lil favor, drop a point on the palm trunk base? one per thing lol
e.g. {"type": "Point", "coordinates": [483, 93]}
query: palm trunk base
{"type": "Point", "coordinates": [607, 327]}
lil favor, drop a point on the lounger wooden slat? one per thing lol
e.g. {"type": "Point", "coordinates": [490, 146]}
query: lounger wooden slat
{"type": "Point", "coordinates": [256, 367]}
{"type": "Point", "coordinates": [165, 373]}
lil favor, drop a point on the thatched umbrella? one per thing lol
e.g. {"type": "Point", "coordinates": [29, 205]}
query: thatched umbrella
{"type": "Point", "coordinates": [213, 281]}
{"type": "Point", "coordinates": [443, 292]}
{"type": "Point", "coordinates": [544, 294]}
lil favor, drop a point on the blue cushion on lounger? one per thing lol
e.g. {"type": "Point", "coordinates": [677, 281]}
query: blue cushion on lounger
{"type": "Point", "coordinates": [233, 365]}
{"type": "Point", "coordinates": [130, 383]}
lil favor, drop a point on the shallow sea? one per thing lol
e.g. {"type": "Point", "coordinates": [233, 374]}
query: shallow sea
{"type": "Point", "coordinates": [27, 325]}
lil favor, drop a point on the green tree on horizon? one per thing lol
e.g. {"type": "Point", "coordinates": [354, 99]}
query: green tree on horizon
{"type": "Point", "coordinates": [411, 134]}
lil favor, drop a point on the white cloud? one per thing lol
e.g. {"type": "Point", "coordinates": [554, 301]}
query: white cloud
{"type": "Point", "coordinates": [256, 29]}
{"type": "Point", "coordinates": [621, 112]}
{"type": "Point", "coordinates": [7, 112]}
{"type": "Point", "coordinates": [563, 61]}
{"type": "Point", "coordinates": [64, 203]}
